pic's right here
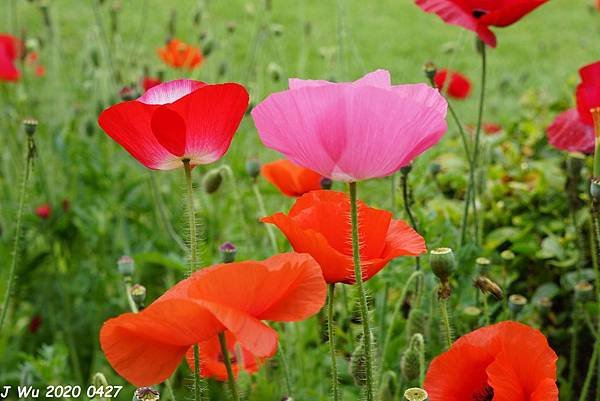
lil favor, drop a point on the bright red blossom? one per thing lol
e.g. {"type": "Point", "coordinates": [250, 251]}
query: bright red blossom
{"type": "Point", "coordinates": [319, 224]}
{"type": "Point", "coordinates": [145, 348]}
{"type": "Point", "coordinates": [291, 179]}
{"type": "Point", "coordinates": [570, 133]}
{"type": "Point", "coordinates": [10, 48]}
{"type": "Point", "coordinates": [44, 211]}
{"type": "Point", "coordinates": [177, 120]}
{"type": "Point", "coordinates": [508, 361]}
{"type": "Point", "coordinates": [178, 54]}
{"type": "Point", "coordinates": [459, 86]}
{"type": "Point", "coordinates": [479, 15]}
{"type": "Point", "coordinates": [588, 91]}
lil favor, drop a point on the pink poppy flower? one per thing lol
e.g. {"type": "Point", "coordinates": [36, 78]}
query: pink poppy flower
{"type": "Point", "coordinates": [10, 47]}
{"type": "Point", "coordinates": [352, 131]}
{"type": "Point", "coordinates": [570, 133]}
{"type": "Point", "coordinates": [479, 15]}
{"type": "Point", "coordinates": [177, 120]}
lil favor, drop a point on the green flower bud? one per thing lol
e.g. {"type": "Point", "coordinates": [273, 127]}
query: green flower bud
{"type": "Point", "coordinates": [126, 266]}
{"type": "Point", "coordinates": [30, 125]}
{"type": "Point", "coordinates": [442, 263]}
{"type": "Point", "coordinates": [212, 181]}
{"type": "Point", "coordinates": [274, 71]}
{"type": "Point", "coordinates": [416, 323]}
{"type": "Point", "coordinates": [410, 364]}
{"type": "Point", "coordinates": [389, 386]}
{"type": "Point", "coordinates": [516, 303]}
{"type": "Point", "coordinates": [416, 394]}
{"type": "Point", "coordinates": [435, 169]}
{"type": "Point", "coordinates": [253, 168]}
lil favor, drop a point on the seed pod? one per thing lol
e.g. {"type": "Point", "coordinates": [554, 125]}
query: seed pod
{"type": "Point", "coordinates": [126, 266]}
{"type": "Point", "coordinates": [584, 292]}
{"type": "Point", "coordinates": [212, 181]}
{"type": "Point", "coordinates": [30, 125]}
{"type": "Point", "coordinates": [138, 294]}
{"type": "Point", "coordinates": [416, 394]}
{"type": "Point", "coordinates": [389, 386]}
{"type": "Point", "coordinates": [543, 305]}
{"type": "Point", "coordinates": [507, 255]}
{"type": "Point", "coordinates": [595, 187]}
{"type": "Point", "coordinates": [442, 263]}
{"type": "Point", "coordinates": [483, 265]}
{"type": "Point", "coordinates": [358, 365]}
{"type": "Point", "coordinates": [516, 303]}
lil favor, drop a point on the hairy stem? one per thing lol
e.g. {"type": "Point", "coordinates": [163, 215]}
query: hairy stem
{"type": "Point", "coordinates": [364, 311]}
{"type": "Point", "coordinates": [227, 361]}
{"type": "Point", "coordinates": [446, 325]}
{"type": "Point", "coordinates": [335, 395]}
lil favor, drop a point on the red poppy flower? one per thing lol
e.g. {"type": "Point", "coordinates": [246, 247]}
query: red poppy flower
{"type": "Point", "coordinates": [570, 133]}
{"type": "Point", "coordinates": [34, 324]}
{"type": "Point", "coordinates": [491, 128]}
{"type": "Point", "coordinates": [319, 224]}
{"type": "Point", "coordinates": [44, 211]}
{"type": "Point", "coordinates": [177, 120]}
{"type": "Point", "coordinates": [145, 348]}
{"type": "Point", "coordinates": [148, 83]}
{"type": "Point", "coordinates": [10, 47]}
{"type": "Point", "coordinates": [508, 361]}
{"type": "Point", "coordinates": [178, 54]}
{"type": "Point", "coordinates": [459, 86]}
{"type": "Point", "coordinates": [479, 15]}
{"type": "Point", "coordinates": [588, 91]}
{"type": "Point", "coordinates": [291, 179]}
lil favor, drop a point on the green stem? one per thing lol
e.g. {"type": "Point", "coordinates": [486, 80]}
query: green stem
{"type": "Point", "coordinates": [574, 347]}
{"type": "Point", "coordinates": [286, 368]}
{"type": "Point", "coordinates": [486, 310]}
{"type": "Point", "coordinates": [263, 212]}
{"type": "Point", "coordinates": [446, 326]}
{"type": "Point", "coordinates": [406, 201]}
{"type": "Point", "coordinates": [335, 395]}
{"type": "Point", "coordinates": [596, 169]}
{"type": "Point", "coordinates": [193, 260]}
{"type": "Point", "coordinates": [170, 391]}
{"type": "Point", "coordinates": [30, 155]}
{"type": "Point", "coordinates": [362, 292]}
{"type": "Point", "coordinates": [130, 300]}
{"type": "Point", "coordinates": [588, 377]}
{"type": "Point", "coordinates": [227, 361]}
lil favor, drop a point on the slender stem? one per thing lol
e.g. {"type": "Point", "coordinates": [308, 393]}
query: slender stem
{"type": "Point", "coordinates": [574, 347]}
{"type": "Point", "coordinates": [30, 155]}
{"type": "Point", "coordinates": [588, 377]}
{"type": "Point", "coordinates": [486, 310]}
{"type": "Point", "coordinates": [227, 361]}
{"type": "Point", "coordinates": [130, 300]}
{"type": "Point", "coordinates": [406, 201]}
{"type": "Point", "coordinates": [193, 260]}
{"type": "Point", "coordinates": [263, 212]}
{"type": "Point", "coordinates": [286, 368]}
{"type": "Point", "coordinates": [362, 292]}
{"type": "Point", "coordinates": [335, 395]}
{"type": "Point", "coordinates": [446, 326]}
{"type": "Point", "coordinates": [170, 391]}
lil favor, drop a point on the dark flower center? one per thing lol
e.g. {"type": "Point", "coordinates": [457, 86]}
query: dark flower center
{"type": "Point", "coordinates": [487, 394]}
{"type": "Point", "coordinates": [479, 13]}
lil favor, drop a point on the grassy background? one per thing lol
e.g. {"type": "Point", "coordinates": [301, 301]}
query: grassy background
{"type": "Point", "coordinates": [68, 274]}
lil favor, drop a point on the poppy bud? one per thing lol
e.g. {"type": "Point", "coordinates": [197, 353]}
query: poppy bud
{"type": "Point", "coordinates": [516, 303]}
{"type": "Point", "coordinates": [138, 294]}
{"type": "Point", "coordinates": [126, 266]}
{"type": "Point", "coordinates": [253, 168]}
{"type": "Point", "coordinates": [212, 181]}
{"type": "Point", "coordinates": [595, 188]}
{"type": "Point", "coordinates": [487, 286]}
{"type": "Point", "coordinates": [543, 305]}
{"type": "Point", "coordinates": [228, 252]}
{"type": "Point", "coordinates": [326, 183]}
{"type": "Point", "coordinates": [43, 211]}
{"type": "Point", "coordinates": [416, 394]}
{"type": "Point", "coordinates": [442, 263]}
{"type": "Point", "coordinates": [274, 71]}
{"type": "Point", "coordinates": [30, 125]}
{"type": "Point", "coordinates": [410, 365]}
{"type": "Point", "coordinates": [416, 323]}
{"type": "Point", "coordinates": [435, 169]}
{"type": "Point", "coordinates": [584, 292]}
{"type": "Point", "coordinates": [99, 380]}
{"type": "Point", "coordinates": [406, 169]}
{"type": "Point", "coordinates": [430, 70]}
{"type": "Point", "coordinates": [358, 365]}
{"type": "Point", "coordinates": [483, 265]}
{"type": "Point", "coordinates": [146, 394]}
{"type": "Point", "coordinates": [389, 384]}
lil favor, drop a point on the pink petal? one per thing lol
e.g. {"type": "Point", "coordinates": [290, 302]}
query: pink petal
{"type": "Point", "coordinates": [569, 133]}
{"type": "Point", "coordinates": [350, 133]}
{"type": "Point", "coordinates": [380, 78]}
{"type": "Point", "coordinates": [169, 92]}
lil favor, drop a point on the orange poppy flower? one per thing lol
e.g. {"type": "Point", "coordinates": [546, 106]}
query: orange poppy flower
{"type": "Point", "coordinates": [507, 361]}
{"type": "Point", "coordinates": [178, 54]}
{"type": "Point", "coordinates": [291, 179]}
{"type": "Point", "coordinates": [319, 224]}
{"type": "Point", "coordinates": [145, 348]}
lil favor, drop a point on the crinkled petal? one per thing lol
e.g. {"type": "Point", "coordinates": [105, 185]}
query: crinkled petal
{"type": "Point", "coordinates": [568, 132]}
{"type": "Point", "coordinates": [380, 78]}
{"type": "Point", "coordinates": [169, 92]}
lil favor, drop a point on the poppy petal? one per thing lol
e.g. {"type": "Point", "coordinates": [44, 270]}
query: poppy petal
{"type": "Point", "coordinates": [129, 124]}
{"type": "Point", "coordinates": [511, 13]}
{"type": "Point", "coordinates": [290, 179]}
{"type": "Point", "coordinates": [169, 92]}
{"type": "Point", "coordinates": [568, 132]}
{"type": "Point", "coordinates": [169, 129]}
{"type": "Point", "coordinates": [380, 78]}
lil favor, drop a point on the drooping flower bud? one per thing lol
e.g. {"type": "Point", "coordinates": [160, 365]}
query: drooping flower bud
{"type": "Point", "coordinates": [442, 263]}
{"type": "Point", "coordinates": [326, 183]}
{"type": "Point", "coordinates": [358, 365]}
{"type": "Point", "coordinates": [389, 384]}
{"type": "Point", "coordinates": [584, 292]}
{"type": "Point", "coordinates": [146, 394]}
{"type": "Point", "coordinates": [416, 323]}
{"type": "Point", "coordinates": [30, 125]}
{"type": "Point", "coordinates": [416, 394]}
{"type": "Point", "coordinates": [253, 168]}
{"type": "Point", "coordinates": [410, 365]}
{"type": "Point", "coordinates": [516, 303]}
{"type": "Point", "coordinates": [138, 294]}
{"type": "Point", "coordinates": [212, 181]}
{"type": "Point", "coordinates": [126, 266]}
{"type": "Point", "coordinates": [487, 286]}
{"type": "Point", "coordinates": [228, 252]}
